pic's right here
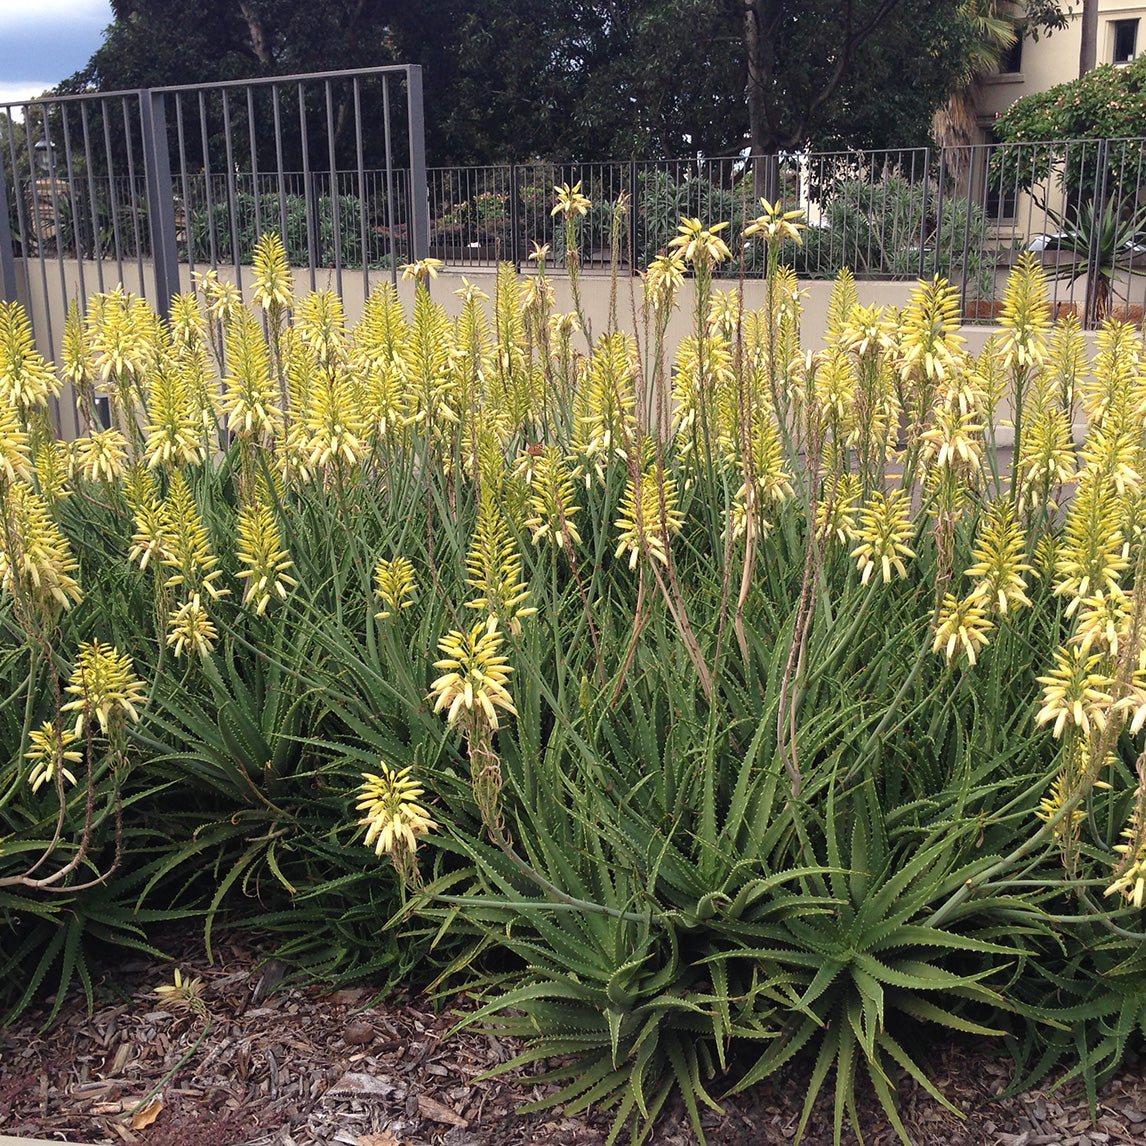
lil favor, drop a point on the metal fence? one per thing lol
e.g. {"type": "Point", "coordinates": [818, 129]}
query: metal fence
{"type": "Point", "coordinates": [149, 185]}
{"type": "Point", "coordinates": [146, 187]}
{"type": "Point", "coordinates": [964, 213]}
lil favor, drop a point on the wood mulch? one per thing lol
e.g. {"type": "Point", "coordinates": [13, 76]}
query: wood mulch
{"type": "Point", "coordinates": [299, 1065]}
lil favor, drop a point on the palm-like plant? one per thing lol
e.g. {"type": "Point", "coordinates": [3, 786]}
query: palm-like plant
{"type": "Point", "coordinates": [1103, 240]}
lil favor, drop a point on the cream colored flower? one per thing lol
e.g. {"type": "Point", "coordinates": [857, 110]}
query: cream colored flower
{"type": "Point", "coordinates": [1074, 694]}
{"type": "Point", "coordinates": [962, 629]}
{"type": "Point", "coordinates": [105, 685]}
{"type": "Point", "coordinates": [50, 752]}
{"type": "Point", "coordinates": [570, 201]}
{"type": "Point", "coordinates": [476, 674]}
{"type": "Point", "coordinates": [394, 819]}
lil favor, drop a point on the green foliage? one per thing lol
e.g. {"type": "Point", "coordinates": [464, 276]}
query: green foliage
{"type": "Point", "coordinates": [1101, 244]}
{"type": "Point", "coordinates": [593, 79]}
{"type": "Point", "coordinates": [768, 782]}
{"type": "Point", "coordinates": [1076, 132]}
{"type": "Point", "coordinates": [231, 230]}
{"type": "Point", "coordinates": [885, 228]}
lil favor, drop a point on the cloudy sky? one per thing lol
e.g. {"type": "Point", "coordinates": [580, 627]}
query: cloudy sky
{"type": "Point", "coordinates": [45, 41]}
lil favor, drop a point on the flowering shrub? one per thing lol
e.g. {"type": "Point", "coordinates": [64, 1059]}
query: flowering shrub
{"type": "Point", "coordinates": [748, 700]}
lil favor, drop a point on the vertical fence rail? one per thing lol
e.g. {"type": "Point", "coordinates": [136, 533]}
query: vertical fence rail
{"type": "Point", "coordinates": [7, 255]}
{"type": "Point", "coordinates": [160, 198]}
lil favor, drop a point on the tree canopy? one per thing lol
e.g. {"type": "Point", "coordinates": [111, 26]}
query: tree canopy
{"type": "Point", "coordinates": [587, 79]}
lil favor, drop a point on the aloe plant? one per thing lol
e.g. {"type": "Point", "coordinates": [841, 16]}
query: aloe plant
{"type": "Point", "coordinates": [1103, 239]}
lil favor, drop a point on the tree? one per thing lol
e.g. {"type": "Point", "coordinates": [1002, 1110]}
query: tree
{"type": "Point", "coordinates": [994, 28]}
{"type": "Point", "coordinates": [1088, 49]}
{"type": "Point", "coordinates": [1083, 133]}
{"type": "Point", "coordinates": [511, 80]}
{"type": "Point", "coordinates": [152, 43]}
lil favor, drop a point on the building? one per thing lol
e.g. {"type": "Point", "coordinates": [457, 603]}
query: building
{"type": "Point", "coordinates": [1036, 65]}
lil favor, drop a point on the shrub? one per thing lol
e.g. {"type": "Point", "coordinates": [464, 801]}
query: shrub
{"type": "Point", "coordinates": [702, 721]}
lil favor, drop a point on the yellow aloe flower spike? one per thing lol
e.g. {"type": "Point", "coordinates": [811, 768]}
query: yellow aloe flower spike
{"type": "Point", "coordinates": [1074, 693]}
{"type": "Point", "coordinates": [1046, 458]}
{"type": "Point", "coordinates": [331, 432]}
{"type": "Point", "coordinates": [189, 553]}
{"type": "Point", "coordinates": [53, 462]}
{"type": "Point", "coordinates": [105, 685]}
{"type": "Point", "coordinates": [1130, 874]}
{"type": "Point", "coordinates": [26, 380]}
{"type": "Point", "coordinates": [50, 752]}
{"type": "Point", "coordinates": [700, 245]}
{"type": "Point", "coordinates": [493, 565]}
{"type": "Point", "coordinates": [884, 531]}
{"type": "Point", "coordinates": [320, 322]}
{"type": "Point", "coordinates": [154, 534]}
{"type": "Point", "coordinates": [393, 817]}
{"type": "Point", "coordinates": [75, 357]}
{"type": "Point", "coordinates": [265, 561]}
{"type": "Point", "coordinates": [1090, 554]}
{"type": "Point", "coordinates": [836, 512]}
{"type": "Point", "coordinates": [1026, 315]}
{"type": "Point", "coordinates": [42, 566]}
{"type": "Point", "coordinates": [251, 398]}
{"type": "Point", "coordinates": [570, 201]}
{"type": "Point", "coordinates": [929, 347]}
{"type": "Point", "coordinates": [649, 517]}
{"type": "Point", "coordinates": [776, 224]}
{"type": "Point", "coordinates": [1061, 790]}
{"type": "Point", "coordinates": [15, 456]}
{"type": "Point", "coordinates": [102, 456]}
{"type": "Point", "coordinates": [663, 281]}
{"type": "Point", "coordinates": [476, 674]}
{"type": "Point", "coordinates": [1103, 623]}
{"type": "Point", "coordinates": [173, 431]}
{"type": "Point", "coordinates": [962, 629]}
{"type": "Point", "coordinates": [191, 628]}
{"type": "Point", "coordinates": [274, 285]}
{"type": "Point", "coordinates": [394, 585]}
{"type": "Point", "coordinates": [187, 321]}
{"type": "Point", "coordinates": [552, 505]}
{"type": "Point", "coordinates": [999, 564]}
{"type": "Point", "coordinates": [223, 298]}
{"type": "Point", "coordinates": [422, 270]}
{"type": "Point", "coordinates": [953, 442]}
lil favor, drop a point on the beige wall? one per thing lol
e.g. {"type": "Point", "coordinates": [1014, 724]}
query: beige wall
{"type": "Point", "coordinates": [595, 296]}
{"type": "Point", "coordinates": [1053, 59]}
{"type": "Point", "coordinates": [49, 299]}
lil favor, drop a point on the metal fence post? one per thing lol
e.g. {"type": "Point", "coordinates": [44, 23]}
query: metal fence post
{"type": "Point", "coordinates": [160, 198]}
{"type": "Point", "coordinates": [7, 256]}
{"type": "Point", "coordinates": [926, 181]}
{"type": "Point", "coordinates": [634, 201]}
{"type": "Point", "coordinates": [514, 218]}
{"type": "Point", "coordinates": [419, 190]}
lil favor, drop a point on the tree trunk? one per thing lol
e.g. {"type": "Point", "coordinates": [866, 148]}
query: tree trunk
{"type": "Point", "coordinates": [1088, 53]}
{"type": "Point", "coordinates": [761, 144]}
{"type": "Point", "coordinates": [259, 44]}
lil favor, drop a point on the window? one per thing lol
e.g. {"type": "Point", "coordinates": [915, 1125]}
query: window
{"type": "Point", "coordinates": [1125, 40]}
{"type": "Point", "coordinates": [1011, 60]}
{"type": "Point", "coordinates": [999, 202]}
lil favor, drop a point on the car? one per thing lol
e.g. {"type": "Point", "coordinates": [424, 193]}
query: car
{"type": "Point", "coordinates": [1074, 242]}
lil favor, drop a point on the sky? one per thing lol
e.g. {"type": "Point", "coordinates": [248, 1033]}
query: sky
{"type": "Point", "coordinates": [45, 41]}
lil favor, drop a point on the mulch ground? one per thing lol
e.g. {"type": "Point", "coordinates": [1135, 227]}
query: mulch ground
{"type": "Point", "coordinates": [299, 1065]}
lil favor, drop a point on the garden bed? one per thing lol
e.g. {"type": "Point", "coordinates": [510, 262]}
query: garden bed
{"type": "Point", "coordinates": [300, 1064]}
